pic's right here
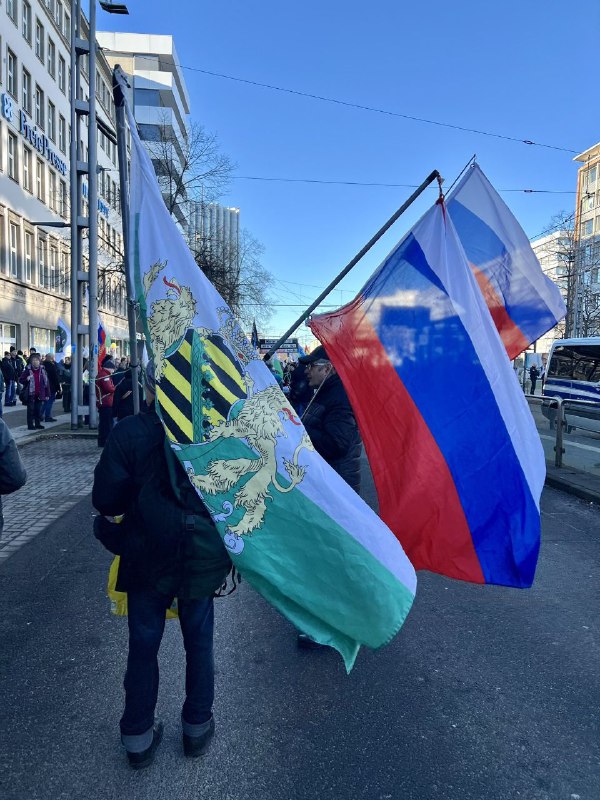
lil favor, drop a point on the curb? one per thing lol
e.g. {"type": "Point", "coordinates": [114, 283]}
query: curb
{"type": "Point", "coordinates": [57, 434]}
{"type": "Point", "coordinates": [584, 493]}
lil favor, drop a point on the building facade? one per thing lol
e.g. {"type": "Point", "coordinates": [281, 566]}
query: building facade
{"type": "Point", "coordinates": [587, 235]}
{"type": "Point", "coordinates": [35, 139]}
{"type": "Point", "coordinates": [554, 251]}
{"type": "Point", "coordinates": [159, 98]}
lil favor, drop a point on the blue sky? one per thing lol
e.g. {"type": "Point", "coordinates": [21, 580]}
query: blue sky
{"type": "Point", "coordinates": [519, 69]}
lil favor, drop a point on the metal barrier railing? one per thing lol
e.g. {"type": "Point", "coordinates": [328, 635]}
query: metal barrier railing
{"type": "Point", "coordinates": [561, 414]}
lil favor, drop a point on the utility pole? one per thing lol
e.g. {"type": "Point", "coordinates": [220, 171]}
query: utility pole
{"type": "Point", "coordinates": [93, 218]}
{"type": "Point", "coordinates": [78, 167]}
{"type": "Point", "coordinates": [80, 48]}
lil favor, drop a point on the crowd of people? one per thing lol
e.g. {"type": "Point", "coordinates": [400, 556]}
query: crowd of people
{"type": "Point", "coordinates": [38, 381]}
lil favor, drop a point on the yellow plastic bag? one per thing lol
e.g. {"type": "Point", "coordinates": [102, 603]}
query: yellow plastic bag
{"type": "Point", "coordinates": [118, 600]}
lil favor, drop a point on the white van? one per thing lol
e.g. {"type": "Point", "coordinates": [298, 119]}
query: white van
{"type": "Point", "coordinates": [573, 373]}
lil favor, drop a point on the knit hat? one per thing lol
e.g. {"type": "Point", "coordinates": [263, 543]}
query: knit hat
{"type": "Point", "coordinates": [108, 363]}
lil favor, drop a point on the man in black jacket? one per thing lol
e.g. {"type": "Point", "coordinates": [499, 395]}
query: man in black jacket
{"type": "Point", "coordinates": [12, 471]}
{"type": "Point", "coordinates": [169, 549]}
{"type": "Point", "coordinates": [8, 373]}
{"type": "Point", "coordinates": [329, 419]}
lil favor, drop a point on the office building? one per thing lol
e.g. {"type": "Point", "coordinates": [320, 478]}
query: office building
{"type": "Point", "coordinates": [161, 106]}
{"type": "Point", "coordinates": [35, 138]}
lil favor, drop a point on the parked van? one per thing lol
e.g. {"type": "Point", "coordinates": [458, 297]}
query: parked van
{"type": "Point", "coordinates": [573, 373]}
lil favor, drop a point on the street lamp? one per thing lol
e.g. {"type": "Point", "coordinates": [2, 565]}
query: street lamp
{"type": "Point", "coordinates": [114, 8]}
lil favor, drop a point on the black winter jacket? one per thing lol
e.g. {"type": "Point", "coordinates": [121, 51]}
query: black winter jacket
{"type": "Point", "coordinates": [330, 423]}
{"type": "Point", "coordinates": [155, 551]}
{"type": "Point", "coordinates": [12, 471]}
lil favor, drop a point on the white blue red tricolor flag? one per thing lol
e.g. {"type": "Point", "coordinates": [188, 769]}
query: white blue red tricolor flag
{"type": "Point", "coordinates": [455, 454]}
{"type": "Point", "coordinates": [524, 303]}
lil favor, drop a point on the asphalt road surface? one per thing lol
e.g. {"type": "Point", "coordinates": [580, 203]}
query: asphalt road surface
{"type": "Point", "coordinates": [486, 693]}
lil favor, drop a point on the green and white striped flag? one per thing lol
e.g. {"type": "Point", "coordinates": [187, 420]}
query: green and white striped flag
{"type": "Point", "coordinates": [295, 530]}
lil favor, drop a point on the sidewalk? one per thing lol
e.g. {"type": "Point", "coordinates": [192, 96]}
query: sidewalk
{"type": "Point", "coordinates": [59, 475]}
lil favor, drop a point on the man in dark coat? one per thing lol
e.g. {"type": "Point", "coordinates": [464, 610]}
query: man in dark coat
{"type": "Point", "coordinates": [329, 419]}
{"type": "Point", "coordinates": [169, 549]}
{"type": "Point", "coordinates": [10, 380]}
{"type": "Point", "coordinates": [12, 471]}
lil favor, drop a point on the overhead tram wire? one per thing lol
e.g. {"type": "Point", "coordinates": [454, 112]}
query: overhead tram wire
{"type": "Point", "coordinates": [376, 184]}
{"type": "Point", "coordinates": [372, 109]}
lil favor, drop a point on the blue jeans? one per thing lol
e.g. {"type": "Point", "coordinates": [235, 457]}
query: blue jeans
{"type": "Point", "coordinates": [146, 617]}
{"type": "Point", "coordinates": [47, 409]}
{"type": "Point", "coordinates": [11, 388]}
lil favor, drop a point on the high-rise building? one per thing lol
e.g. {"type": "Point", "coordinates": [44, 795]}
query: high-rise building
{"type": "Point", "coordinates": [161, 106]}
{"type": "Point", "coordinates": [35, 138]}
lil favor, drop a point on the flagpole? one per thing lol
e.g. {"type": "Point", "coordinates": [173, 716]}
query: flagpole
{"type": "Point", "coordinates": [435, 174]}
{"type": "Point", "coordinates": [119, 99]}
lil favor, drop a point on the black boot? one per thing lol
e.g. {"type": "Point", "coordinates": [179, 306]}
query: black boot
{"type": "Point", "coordinates": [146, 757]}
{"type": "Point", "coordinates": [194, 746]}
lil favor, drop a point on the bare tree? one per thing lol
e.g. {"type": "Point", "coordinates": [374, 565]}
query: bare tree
{"type": "Point", "coordinates": [189, 167]}
{"type": "Point", "coordinates": [574, 264]}
{"type": "Point", "coordinates": [236, 271]}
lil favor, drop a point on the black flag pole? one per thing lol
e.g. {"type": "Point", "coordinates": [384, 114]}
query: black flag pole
{"type": "Point", "coordinates": [435, 174]}
{"type": "Point", "coordinates": [119, 99]}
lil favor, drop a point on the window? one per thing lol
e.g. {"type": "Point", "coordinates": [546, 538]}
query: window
{"type": "Point", "coordinates": [53, 199]}
{"type": "Point", "coordinates": [26, 92]}
{"type": "Point", "coordinates": [13, 253]}
{"type": "Point", "coordinates": [587, 227]}
{"type": "Point", "coordinates": [39, 180]}
{"type": "Point", "coordinates": [27, 21]}
{"type": "Point", "coordinates": [64, 273]}
{"type": "Point", "coordinates": [62, 203]}
{"type": "Point", "coordinates": [42, 262]}
{"type": "Point", "coordinates": [59, 15]}
{"type": "Point", "coordinates": [28, 252]}
{"type": "Point", "coordinates": [592, 175]}
{"type": "Point", "coordinates": [62, 133]}
{"type": "Point", "coordinates": [39, 106]}
{"type": "Point", "coordinates": [13, 166]}
{"type": "Point", "coordinates": [67, 27]}
{"type": "Point", "coordinates": [62, 71]}
{"type": "Point", "coordinates": [11, 10]}
{"type": "Point", "coordinates": [39, 40]}
{"type": "Point", "coordinates": [11, 73]}
{"type": "Point", "coordinates": [51, 58]}
{"type": "Point", "coordinates": [53, 268]}
{"type": "Point", "coordinates": [26, 168]}
{"type": "Point", "coordinates": [51, 121]}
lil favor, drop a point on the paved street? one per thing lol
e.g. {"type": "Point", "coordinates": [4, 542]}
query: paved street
{"type": "Point", "coordinates": [486, 692]}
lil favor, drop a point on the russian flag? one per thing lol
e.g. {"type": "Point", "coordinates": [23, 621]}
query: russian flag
{"type": "Point", "coordinates": [524, 303]}
{"type": "Point", "coordinates": [455, 455]}
{"type": "Point", "coordinates": [103, 343]}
